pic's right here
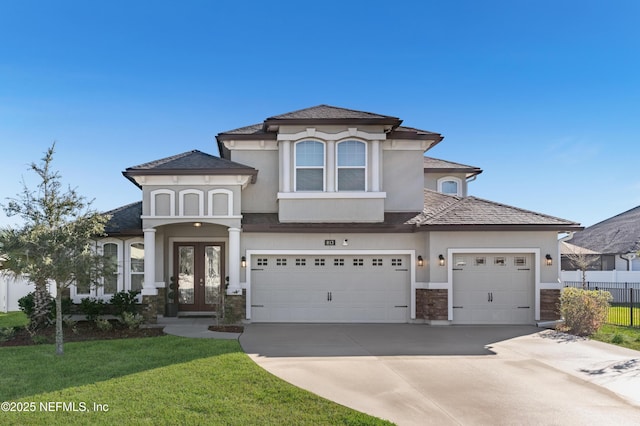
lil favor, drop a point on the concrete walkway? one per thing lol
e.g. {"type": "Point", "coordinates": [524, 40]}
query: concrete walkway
{"type": "Point", "coordinates": [193, 327]}
{"type": "Point", "coordinates": [420, 375]}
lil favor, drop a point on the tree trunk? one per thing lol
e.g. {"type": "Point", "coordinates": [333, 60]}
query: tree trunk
{"type": "Point", "coordinates": [59, 336]}
{"type": "Point", "coordinates": [40, 317]}
{"type": "Point", "coordinates": [584, 278]}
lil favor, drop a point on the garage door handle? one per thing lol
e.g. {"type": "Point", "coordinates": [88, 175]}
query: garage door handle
{"type": "Point", "coordinates": [329, 296]}
{"type": "Point", "coordinates": [401, 306]}
{"type": "Point", "coordinates": [402, 270]}
{"type": "Point", "coordinates": [253, 269]}
{"type": "Point", "coordinates": [524, 269]}
{"type": "Point", "coordinates": [457, 269]}
{"type": "Point", "coordinates": [257, 306]}
{"type": "Point", "coordinates": [524, 307]}
{"type": "Point", "coordinates": [457, 307]}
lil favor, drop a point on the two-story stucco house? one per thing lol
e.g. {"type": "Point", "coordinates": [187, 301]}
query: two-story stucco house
{"type": "Point", "coordinates": [331, 215]}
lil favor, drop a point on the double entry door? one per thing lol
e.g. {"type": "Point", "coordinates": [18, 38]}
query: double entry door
{"type": "Point", "coordinates": [199, 270]}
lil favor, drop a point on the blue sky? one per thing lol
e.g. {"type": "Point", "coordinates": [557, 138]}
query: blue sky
{"type": "Point", "coordinates": [543, 95]}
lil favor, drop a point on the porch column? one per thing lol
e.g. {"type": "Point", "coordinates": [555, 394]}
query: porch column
{"type": "Point", "coordinates": [149, 288]}
{"type": "Point", "coordinates": [234, 262]}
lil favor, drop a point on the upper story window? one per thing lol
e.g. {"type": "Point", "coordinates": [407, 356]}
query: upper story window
{"type": "Point", "coordinates": [352, 166]}
{"type": "Point", "coordinates": [310, 165]}
{"type": "Point", "coordinates": [450, 185]}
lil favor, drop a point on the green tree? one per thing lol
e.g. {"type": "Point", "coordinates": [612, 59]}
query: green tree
{"type": "Point", "coordinates": [56, 241]}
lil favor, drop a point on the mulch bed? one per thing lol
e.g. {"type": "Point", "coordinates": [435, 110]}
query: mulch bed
{"type": "Point", "coordinates": [83, 331]}
{"type": "Point", "coordinates": [227, 328]}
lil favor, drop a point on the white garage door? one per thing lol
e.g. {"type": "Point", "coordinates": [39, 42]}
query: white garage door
{"type": "Point", "coordinates": [336, 288]}
{"type": "Point", "coordinates": [493, 288]}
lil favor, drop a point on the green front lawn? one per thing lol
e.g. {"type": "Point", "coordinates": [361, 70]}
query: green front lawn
{"type": "Point", "coordinates": [622, 336]}
{"type": "Point", "coordinates": [161, 380]}
{"type": "Point", "coordinates": [13, 319]}
{"type": "Point", "coordinates": [621, 315]}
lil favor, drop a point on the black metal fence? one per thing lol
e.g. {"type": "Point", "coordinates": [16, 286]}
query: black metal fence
{"type": "Point", "coordinates": [625, 306]}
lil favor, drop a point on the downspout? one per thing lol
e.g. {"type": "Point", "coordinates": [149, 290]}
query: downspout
{"type": "Point", "coordinates": [624, 258]}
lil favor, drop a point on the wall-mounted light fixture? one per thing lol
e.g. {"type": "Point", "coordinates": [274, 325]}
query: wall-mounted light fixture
{"type": "Point", "coordinates": [420, 261]}
{"type": "Point", "coordinates": [440, 260]}
{"type": "Point", "coordinates": [549, 259]}
{"type": "Point", "coordinates": [345, 242]}
{"type": "Point", "coordinates": [243, 262]}
{"type": "Point", "coordinates": [197, 224]}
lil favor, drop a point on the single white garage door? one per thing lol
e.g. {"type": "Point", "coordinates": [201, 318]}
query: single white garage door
{"type": "Point", "coordinates": [336, 288]}
{"type": "Point", "coordinates": [493, 288]}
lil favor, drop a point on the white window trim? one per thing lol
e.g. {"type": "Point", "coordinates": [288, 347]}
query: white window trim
{"type": "Point", "coordinates": [172, 201]}
{"type": "Point", "coordinates": [213, 192]}
{"type": "Point", "coordinates": [127, 264]}
{"type": "Point", "coordinates": [458, 181]}
{"type": "Point", "coordinates": [365, 167]}
{"type": "Point", "coordinates": [119, 284]}
{"type": "Point", "coordinates": [323, 167]}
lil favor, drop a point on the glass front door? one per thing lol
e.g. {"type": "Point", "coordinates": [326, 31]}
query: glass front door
{"type": "Point", "coordinates": [199, 270]}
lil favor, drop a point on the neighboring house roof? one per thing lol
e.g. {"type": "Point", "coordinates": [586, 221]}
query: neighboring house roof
{"type": "Point", "coordinates": [450, 212]}
{"type": "Point", "coordinates": [125, 220]}
{"type": "Point", "coordinates": [568, 248]}
{"type": "Point", "coordinates": [326, 114]}
{"type": "Point", "coordinates": [442, 166]}
{"type": "Point", "coordinates": [619, 234]}
{"type": "Point", "coordinates": [190, 163]}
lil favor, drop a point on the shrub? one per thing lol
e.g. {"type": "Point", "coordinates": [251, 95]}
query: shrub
{"type": "Point", "coordinates": [584, 311]}
{"type": "Point", "coordinates": [131, 321]}
{"type": "Point", "coordinates": [27, 305]}
{"type": "Point", "coordinates": [103, 324]}
{"type": "Point", "coordinates": [6, 333]}
{"type": "Point", "coordinates": [92, 308]}
{"type": "Point", "coordinates": [125, 301]}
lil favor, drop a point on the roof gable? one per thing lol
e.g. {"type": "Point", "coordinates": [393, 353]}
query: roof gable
{"type": "Point", "coordinates": [190, 163]}
{"type": "Point", "coordinates": [323, 115]}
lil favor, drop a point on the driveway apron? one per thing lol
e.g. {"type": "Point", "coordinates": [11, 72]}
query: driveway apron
{"type": "Point", "coordinates": [419, 375]}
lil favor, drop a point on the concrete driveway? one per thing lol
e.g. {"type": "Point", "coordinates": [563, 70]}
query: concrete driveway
{"type": "Point", "coordinates": [421, 375]}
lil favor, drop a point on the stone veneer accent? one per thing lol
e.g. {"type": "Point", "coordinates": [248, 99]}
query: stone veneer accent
{"type": "Point", "coordinates": [549, 305]}
{"type": "Point", "coordinates": [150, 308]}
{"type": "Point", "coordinates": [432, 304]}
{"type": "Point", "coordinates": [239, 304]}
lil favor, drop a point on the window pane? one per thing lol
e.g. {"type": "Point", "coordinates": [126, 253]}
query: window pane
{"type": "Point", "coordinates": [136, 281]}
{"type": "Point", "coordinates": [351, 180]}
{"type": "Point", "coordinates": [310, 153]}
{"type": "Point", "coordinates": [450, 187]}
{"type": "Point", "coordinates": [309, 179]}
{"type": "Point", "coordinates": [110, 253]}
{"type": "Point", "coordinates": [110, 284]}
{"type": "Point", "coordinates": [137, 257]}
{"type": "Point", "coordinates": [351, 153]}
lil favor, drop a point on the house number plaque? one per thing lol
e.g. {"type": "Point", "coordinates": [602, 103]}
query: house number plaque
{"type": "Point", "coordinates": [329, 242]}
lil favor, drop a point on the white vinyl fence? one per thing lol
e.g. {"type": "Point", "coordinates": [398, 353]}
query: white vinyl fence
{"type": "Point", "coordinates": [12, 289]}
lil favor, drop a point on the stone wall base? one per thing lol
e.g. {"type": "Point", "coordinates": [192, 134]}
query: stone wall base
{"type": "Point", "coordinates": [432, 304]}
{"type": "Point", "coordinates": [549, 305]}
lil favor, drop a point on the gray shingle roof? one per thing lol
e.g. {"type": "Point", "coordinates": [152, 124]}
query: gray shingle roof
{"type": "Point", "coordinates": [438, 165]}
{"type": "Point", "coordinates": [191, 160]}
{"type": "Point", "coordinates": [453, 211]}
{"type": "Point", "coordinates": [619, 234]}
{"type": "Point", "coordinates": [125, 220]}
{"type": "Point", "coordinates": [328, 112]}
{"type": "Point", "coordinates": [190, 163]}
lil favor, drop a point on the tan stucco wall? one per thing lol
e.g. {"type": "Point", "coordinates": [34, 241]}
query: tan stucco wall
{"type": "Point", "coordinates": [332, 210]}
{"type": "Point", "coordinates": [260, 197]}
{"type": "Point", "coordinates": [403, 180]}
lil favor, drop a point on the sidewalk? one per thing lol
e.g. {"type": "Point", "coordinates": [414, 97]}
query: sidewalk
{"type": "Point", "coordinates": [194, 327]}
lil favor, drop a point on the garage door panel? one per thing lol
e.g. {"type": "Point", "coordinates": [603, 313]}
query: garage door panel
{"type": "Point", "coordinates": [493, 289]}
{"type": "Point", "coordinates": [338, 288]}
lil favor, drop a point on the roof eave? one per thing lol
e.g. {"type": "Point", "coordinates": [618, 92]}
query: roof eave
{"type": "Point", "coordinates": [131, 173]}
{"type": "Point", "coordinates": [501, 227]}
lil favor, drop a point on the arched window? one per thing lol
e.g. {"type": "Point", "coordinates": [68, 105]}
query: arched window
{"type": "Point", "coordinates": [450, 185]}
{"type": "Point", "coordinates": [352, 166]}
{"type": "Point", "coordinates": [309, 166]}
{"type": "Point", "coordinates": [110, 253]}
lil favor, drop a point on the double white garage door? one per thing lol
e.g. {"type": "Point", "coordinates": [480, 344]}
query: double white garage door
{"type": "Point", "coordinates": [493, 288]}
{"type": "Point", "coordinates": [330, 288]}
